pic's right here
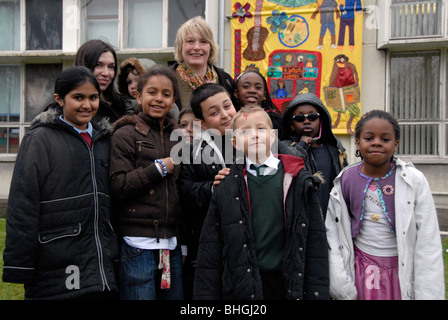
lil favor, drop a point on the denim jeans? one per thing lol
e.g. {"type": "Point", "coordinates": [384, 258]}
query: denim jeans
{"type": "Point", "coordinates": [140, 276]}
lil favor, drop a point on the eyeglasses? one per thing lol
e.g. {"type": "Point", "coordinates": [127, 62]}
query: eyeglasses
{"type": "Point", "coordinates": [302, 117]}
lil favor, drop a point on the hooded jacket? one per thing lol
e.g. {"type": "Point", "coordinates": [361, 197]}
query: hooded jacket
{"type": "Point", "coordinates": [145, 203]}
{"type": "Point", "coordinates": [328, 140]}
{"type": "Point", "coordinates": [327, 136]}
{"type": "Point", "coordinates": [227, 266]}
{"type": "Point", "coordinates": [59, 211]}
{"type": "Point", "coordinates": [140, 65]}
{"type": "Point", "coordinates": [420, 260]}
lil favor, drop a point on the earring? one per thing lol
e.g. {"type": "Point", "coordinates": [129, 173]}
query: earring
{"type": "Point", "coordinates": [357, 154]}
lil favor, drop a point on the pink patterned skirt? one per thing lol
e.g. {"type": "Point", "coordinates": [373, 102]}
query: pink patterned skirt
{"type": "Point", "coordinates": [376, 278]}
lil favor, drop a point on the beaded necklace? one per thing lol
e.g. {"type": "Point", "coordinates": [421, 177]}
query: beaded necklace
{"type": "Point", "coordinates": [380, 193]}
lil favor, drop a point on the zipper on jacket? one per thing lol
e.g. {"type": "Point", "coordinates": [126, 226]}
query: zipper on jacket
{"type": "Point", "coordinates": [96, 218]}
{"type": "Point", "coordinates": [166, 185]}
{"type": "Point", "coordinates": [156, 226]}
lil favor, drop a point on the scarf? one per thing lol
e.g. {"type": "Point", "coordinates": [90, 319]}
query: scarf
{"type": "Point", "coordinates": [193, 79]}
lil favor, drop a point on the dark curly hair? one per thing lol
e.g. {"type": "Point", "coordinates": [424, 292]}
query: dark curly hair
{"type": "Point", "coordinates": [372, 115]}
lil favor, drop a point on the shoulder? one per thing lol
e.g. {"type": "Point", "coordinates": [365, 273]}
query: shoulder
{"type": "Point", "coordinates": [225, 79]}
{"type": "Point", "coordinates": [409, 171]}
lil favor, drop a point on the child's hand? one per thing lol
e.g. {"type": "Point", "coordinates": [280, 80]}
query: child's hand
{"type": "Point", "coordinates": [307, 139]}
{"type": "Point", "coordinates": [221, 175]}
{"type": "Point", "coordinates": [168, 164]}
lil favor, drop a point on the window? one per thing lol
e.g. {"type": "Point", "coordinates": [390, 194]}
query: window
{"type": "Point", "coordinates": [144, 22]}
{"type": "Point", "coordinates": [9, 93]}
{"type": "Point", "coordinates": [410, 18]}
{"type": "Point", "coordinates": [101, 20]}
{"type": "Point", "coordinates": [10, 25]}
{"type": "Point", "coordinates": [39, 87]}
{"type": "Point", "coordinates": [44, 25]}
{"type": "Point", "coordinates": [415, 101]}
{"type": "Point", "coordinates": [38, 82]}
{"type": "Point", "coordinates": [181, 11]}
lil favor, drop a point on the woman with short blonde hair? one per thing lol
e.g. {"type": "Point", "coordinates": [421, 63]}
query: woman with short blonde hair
{"type": "Point", "coordinates": [196, 52]}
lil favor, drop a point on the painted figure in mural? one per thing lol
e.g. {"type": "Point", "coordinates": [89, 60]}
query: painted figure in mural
{"type": "Point", "coordinates": [327, 9]}
{"type": "Point", "coordinates": [343, 75]}
{"type": "Point", "coordinates": [347, 9]}
{"type": "Point", "coordinates": [382, 228]}
{"type": "Point", "coordinates": [281, 92]}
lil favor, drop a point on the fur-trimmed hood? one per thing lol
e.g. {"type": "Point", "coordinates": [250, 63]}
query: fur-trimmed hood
{"type": "Point", "coordinates": [140, 65]}
{"type": "Point", "coordinates": [50, 115]}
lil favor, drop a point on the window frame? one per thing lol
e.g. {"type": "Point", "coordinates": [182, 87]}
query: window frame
{"type": "Point", "coordinates": [442, 123]}
{"type": "Point", "coordinates": [211, 16]}
{"type": "Point", "coordinates": [386, 41]}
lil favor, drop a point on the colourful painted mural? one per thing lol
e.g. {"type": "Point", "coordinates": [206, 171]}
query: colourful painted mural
{"type": "Point", "coordinates": [303, 46]}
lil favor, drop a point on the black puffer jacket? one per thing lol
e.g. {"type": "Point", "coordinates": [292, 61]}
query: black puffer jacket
{"type": "Point", "coordinates": [227, 265]}
{"type": "Point", "coordinates": [59, 210]}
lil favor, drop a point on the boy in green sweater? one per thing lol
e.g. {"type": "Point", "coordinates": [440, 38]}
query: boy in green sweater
{"type": "Point", "coordinates": [264, 234]}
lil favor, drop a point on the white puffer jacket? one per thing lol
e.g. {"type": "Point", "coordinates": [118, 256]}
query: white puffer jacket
{"type": "Point", "coordinates": [421, 270]}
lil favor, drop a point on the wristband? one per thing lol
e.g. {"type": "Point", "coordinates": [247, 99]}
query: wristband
{"type": "Point", "coordinates": [164, 171]}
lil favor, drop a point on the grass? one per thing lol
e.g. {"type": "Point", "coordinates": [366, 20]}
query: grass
{"type": "Point", "coordinates": [12, 291]}
{"type": "Point", "coordinates": [8, 291]}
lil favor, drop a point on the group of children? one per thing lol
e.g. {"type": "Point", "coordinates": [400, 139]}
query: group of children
{"type": "Point", "coordinates": [247, 214]}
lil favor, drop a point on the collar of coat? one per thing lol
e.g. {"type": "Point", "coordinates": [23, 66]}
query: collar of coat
{"type": "Point", "coordinates": [143, 123]}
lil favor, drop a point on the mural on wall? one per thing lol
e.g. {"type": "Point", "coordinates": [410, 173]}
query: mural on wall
{"type": "Point", "coordinates": [303, 46]}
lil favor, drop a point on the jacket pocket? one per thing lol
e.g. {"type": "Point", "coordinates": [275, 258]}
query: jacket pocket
{"type": "Point", "coordinates": [144, 144]}
{"type": "Point", "coordinates": [49, 235]}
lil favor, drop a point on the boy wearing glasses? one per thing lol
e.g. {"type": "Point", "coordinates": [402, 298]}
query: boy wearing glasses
{"type": "Point", "coordinates": [307, 128]}
{"type": "Point", "coordinates": [264, 235]}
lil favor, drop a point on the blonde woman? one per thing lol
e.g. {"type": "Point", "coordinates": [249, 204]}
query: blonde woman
{"type": "Point", "coordinates": [196, 53]}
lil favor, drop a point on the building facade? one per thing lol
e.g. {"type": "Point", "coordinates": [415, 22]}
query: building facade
{"type": "Point", "coordinates": [404, 63]}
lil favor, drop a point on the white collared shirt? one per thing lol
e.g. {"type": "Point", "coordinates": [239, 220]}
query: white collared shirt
{"type": "Point", "coordinates": [271, 163]}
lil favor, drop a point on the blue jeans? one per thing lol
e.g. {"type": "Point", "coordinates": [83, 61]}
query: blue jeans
{"type": "Point", "coordinates": [140, 276]}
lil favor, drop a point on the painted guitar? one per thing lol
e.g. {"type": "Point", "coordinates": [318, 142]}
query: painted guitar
{"type": "Point", "coordinates": [256, 36]}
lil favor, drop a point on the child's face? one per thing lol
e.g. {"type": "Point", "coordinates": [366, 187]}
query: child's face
{"type": "Point", "coordinates": [253, 136]}
{"type": "Point", "coordinates": [104, 71]}
{"type": "Point", "coordinates": [250, 89]}
{"type": "Point", "coordinates": [80, 105]}
{"type": "Point", "coordinates": [218, 112]}
{"type": "Point", "coordinates": [186, 122]}
{"type": "Point", "coordinates": [307, 127]}
{"type": "Point", "coordinates": [195, 50]}
{"type": "Point", "coordinates": [132, 81]}
{"type": "Point", "coordinates": [157, 97]}
{"type": "Point", "coordinates": [377, 142]}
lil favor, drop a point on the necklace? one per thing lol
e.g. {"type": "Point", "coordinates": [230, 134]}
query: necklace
{"type": "Point", "coordinates": [388, 190]}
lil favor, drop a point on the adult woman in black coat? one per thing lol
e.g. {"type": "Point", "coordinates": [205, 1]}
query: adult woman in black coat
{"type": "Point", "coordinates": [196, 53]}
{"type": "Point", "coordinates": [100, 57]}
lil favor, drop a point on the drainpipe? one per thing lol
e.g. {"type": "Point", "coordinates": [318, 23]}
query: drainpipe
{"type": "Point", "coordinates": [221, 33]}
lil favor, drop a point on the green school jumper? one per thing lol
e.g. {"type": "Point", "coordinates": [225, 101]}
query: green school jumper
{"type": "Point", "coordinates": [268, 224]}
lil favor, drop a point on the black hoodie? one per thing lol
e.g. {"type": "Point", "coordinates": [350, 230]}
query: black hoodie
{"type": "Point", "coordinates": [328, 141]}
